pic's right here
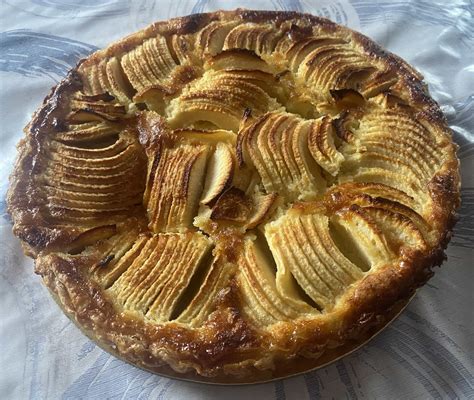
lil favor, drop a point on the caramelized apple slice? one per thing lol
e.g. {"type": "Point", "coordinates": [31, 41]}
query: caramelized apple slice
{"type": "Point", "coordinates": [211, 39]}
{"type": "Point", "coordinates": [260, 38]}
{"type": "Point", "coordinates": [220, 98]}
{"type": "Point", "coordinates": [98, 104]}
{"type": "Point", "coordinates": [108, 270]}
{"type": "Point", "coordinates": [368, 238]}
{"type": "Point", "coordinates": [177, 276]}
{"type": "Point", "coordinates": [211, 137]}
{"type": "Point", "coordinates": [237, 59]}
{"type": "Point", "coordinates": [182, 49]}
{"type": "Point", "coordinates": [232, 206]}
{"type": "Point", "coordinates": [91, 237]}
{"type": "Point", "coordinates": [333, 66]}
{"type": "Point", "coordinates": [392, 148]}
{"type": "Point", "coordinates": [277, 145]}
{"type": "Point", "coordinates": [87, 132]}
{"type": "Point", "coordinates": [90, 79]}
{"type": "Point", "coordinates": [174, 188]}
{"type": "Point", "coordinates": [262, 209]}
{"type": "Point", "coordinates": [299, 50]}
{"type": "Point", "coordinates": [202, 304]}
{"type": "Point", "coordinates": [148, 64]}
{"type": "Point", "coordinates": [89, 115]}
{"type": "Point", "coordinates": [385, 197]}
{"type": "Point", "coordinates": [321, 145]}
{"type": "Point", "coordinates": [219, 173]}
{"type": "Point", "coordinates": [263, 302]}
{"type": "Point", "coordinates": [400, 231]}
{"type": "Point", "coordinates": [106, 77]}
{"type": "Point", "coordinates": [303, 247]}
{"type": "Point", "coordinates": [162, 268]}
{"type": "Point", "coordinates": [116, 82]}
{"type": "Point", "coordinates": [92, 177]}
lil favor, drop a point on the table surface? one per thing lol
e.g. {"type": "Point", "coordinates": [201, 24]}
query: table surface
{"type": "Point", "coordinates": [426, 353]}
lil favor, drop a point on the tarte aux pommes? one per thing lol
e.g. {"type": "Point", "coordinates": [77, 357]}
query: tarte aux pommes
{"type": "Point", "coordinates": [224, 195]}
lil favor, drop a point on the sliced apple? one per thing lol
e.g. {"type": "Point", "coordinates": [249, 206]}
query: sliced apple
{"type": "Point", "coordinates": [81, 116]}
{"type": "Point", "coordinates": [174, 188]}
{"type": "Point", "coordinates": [262, 300]}
{"type": "Point", "coordinates": [211, 137]}
{"type": "Point", "coordinates": [96, 104]}
{"type": "Point", "coordinates": [154, 97]}
{"type": "Point", "coordinates": [400, 232]}
{"type": "Point", "coordinates": [232, 206]}
{"type": "Point", "coordinates": [219, 173]}
{"type": "Point", "coordinates": [368, 240]}
{"type": "Point", "coordinates": [181, 48]}
{"type": "Point", "coordinates": [299, 50]}
{"type": "Point", "coordinates": [260, 38]}
{"type": "Point", "coordinates": [263, 207]}
{"type": "Point", "coordinates": [322, 147]}
{"type": "Point", "coordinates": [211, 38]}
{"type": "Point", "coordinates": [90, 237]}
{"type": "Point", "coordinates": [347, 98]}
{"type": "Point", "coordinates": [377, 83]}
{"type": "Point", "coordinates": [238, 59]}
{"type": "Point", "coordinates": [200, 304]}
{"type": "Point", "coordinates": [148, 64]}
{"type": "Point", "coordinates": [118, 83]}
{"type": "Point", "coordinates": [276, 145]}
{"type": "Point", "coordinates": [222, 98]}
{"type": "Point", "coordinates": [204, 106]}
{"type": "Point", "coordinates": [87, 131]}
{"type": "Point", "coordinates": [90, 79]}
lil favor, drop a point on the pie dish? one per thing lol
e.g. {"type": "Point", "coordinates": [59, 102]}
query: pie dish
{"type": "Point", "coordinates": [228, 194]}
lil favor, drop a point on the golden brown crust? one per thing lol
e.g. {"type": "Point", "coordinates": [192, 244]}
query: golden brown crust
{"type": "Point", "coordinates": [287, 175]}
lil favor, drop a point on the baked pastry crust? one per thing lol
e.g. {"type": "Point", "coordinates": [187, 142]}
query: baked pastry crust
{"type": "Point", "coordinates": [228, 193]}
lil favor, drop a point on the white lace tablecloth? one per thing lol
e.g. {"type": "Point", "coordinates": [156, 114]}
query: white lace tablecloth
{"type": "Point", "coordinates": [427, 353]}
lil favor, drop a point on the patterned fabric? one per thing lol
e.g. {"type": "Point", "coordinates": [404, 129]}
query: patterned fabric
{"type": "Point", "coordinates": [427, 353]}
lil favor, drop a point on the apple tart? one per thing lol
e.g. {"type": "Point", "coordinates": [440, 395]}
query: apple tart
{"type": "Point", "coordinates": [227, 194]}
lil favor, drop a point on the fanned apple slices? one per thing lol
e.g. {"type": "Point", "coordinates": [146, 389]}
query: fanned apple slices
{"type": "Point", "coordinates": [377, 152]}
{"type": "Point", "coordinates": [161, 270]}
{"type": "Point", "coordinates": [228, 192]}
